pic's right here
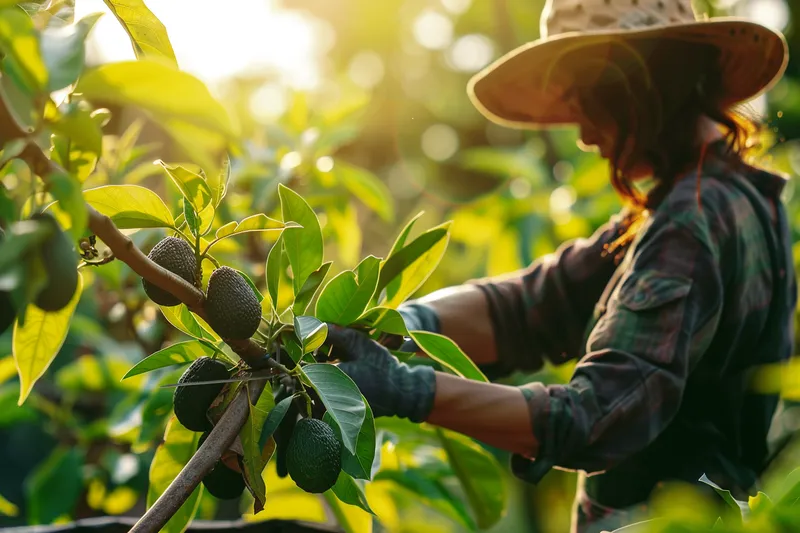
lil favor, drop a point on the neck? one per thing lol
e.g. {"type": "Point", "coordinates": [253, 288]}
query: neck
{"type": "Point", "coordinates": [708, 131]}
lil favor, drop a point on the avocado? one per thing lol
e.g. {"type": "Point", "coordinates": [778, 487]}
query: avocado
{"type": "Point", "coordinates": [192, 402]}
{"type": "Point", "coordinates": [313, 456]}
{"type": "Point", "coordinates": [232, 307]}
{"type": "Point", "coordinates": [8, 313]}
{"type": "Point", "coordinates": [61, 265]}
{"type": "Point", "coordinates": [222, 481]}
{"type": "Point", "coordinates": [177, 256]}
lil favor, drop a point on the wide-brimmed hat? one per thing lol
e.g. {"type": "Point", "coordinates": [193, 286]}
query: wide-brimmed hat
{"type": "Point", "coordinates": [524, 88]}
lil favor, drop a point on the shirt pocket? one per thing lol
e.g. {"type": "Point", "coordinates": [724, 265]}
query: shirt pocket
{"type": "Point", "coordinates": [650, 290]}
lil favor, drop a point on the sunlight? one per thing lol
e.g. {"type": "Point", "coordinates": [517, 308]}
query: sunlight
{"type": "Point", "coordinates": [213, 41]}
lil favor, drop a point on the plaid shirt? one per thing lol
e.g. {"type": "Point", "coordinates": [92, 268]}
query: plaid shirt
{"type": "Point", "coordinates": [665, 339]}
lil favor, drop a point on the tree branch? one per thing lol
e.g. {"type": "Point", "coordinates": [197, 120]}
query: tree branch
{"type": "Point", "coordinates": [225, 431]}
{"type": "Point", "coordinates": [201, 463]}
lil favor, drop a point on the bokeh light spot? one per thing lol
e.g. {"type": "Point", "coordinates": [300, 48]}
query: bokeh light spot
{"type": "Point", "coordinates": [268, 102]}
{"type": "Point", "coordinates": [325, 164]}
{"type": "Point", "coordinates": [433, 30]}
{"type": "Point", "coordinates": [456, 7]}
{"type": "Point", "coordinates": [291, 160]}
{"type": "Point", "coordinates": [366, 69]}
{"type": "Point", "coordinates": [470, 53]}
{"type": "Point", "coordinates": [439, 142]}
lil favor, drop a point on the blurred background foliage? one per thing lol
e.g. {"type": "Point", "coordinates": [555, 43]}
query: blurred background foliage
{"type": "Point", "coordinates": [361, 107]}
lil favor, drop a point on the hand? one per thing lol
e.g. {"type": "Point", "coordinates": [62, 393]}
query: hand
{"type": "Point", "coordinates": [392, 388]}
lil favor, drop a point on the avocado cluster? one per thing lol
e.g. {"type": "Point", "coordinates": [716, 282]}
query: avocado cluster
{"type": "Point", "coordinates": [191, 402]}
{"type": "Point", "coordinates": [222, 481]}
{"type": "Point", "coordinates": [177, 256]}
{"type": "Point", "coordinates": [232, 307]}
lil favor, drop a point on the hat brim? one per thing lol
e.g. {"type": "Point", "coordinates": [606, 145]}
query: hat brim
{"type": "Point", "coordinates": [517, 89]}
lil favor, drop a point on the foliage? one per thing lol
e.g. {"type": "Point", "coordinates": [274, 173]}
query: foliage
{"type": "Point", "coordinates": [299, 209]}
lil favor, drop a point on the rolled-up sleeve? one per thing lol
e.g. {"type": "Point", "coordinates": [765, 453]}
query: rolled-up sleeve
{"type": "Point", "coordinates": [629, 385]}
{"type": "Point", "coordinates": [541, 312]}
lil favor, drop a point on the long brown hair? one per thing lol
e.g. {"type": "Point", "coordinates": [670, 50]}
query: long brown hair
{"type": "Point", "coordinates": [657, 110]}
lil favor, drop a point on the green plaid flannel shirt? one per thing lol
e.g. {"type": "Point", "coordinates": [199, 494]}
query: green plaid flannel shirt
{"type": "Point", "coordinates": [665, 339]}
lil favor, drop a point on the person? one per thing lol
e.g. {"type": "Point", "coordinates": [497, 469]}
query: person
{"type": "Point", "coordinates": [665, 310]}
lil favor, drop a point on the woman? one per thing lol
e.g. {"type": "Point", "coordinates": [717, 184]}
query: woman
{"type": "Point", "coordinates": [666, 309]}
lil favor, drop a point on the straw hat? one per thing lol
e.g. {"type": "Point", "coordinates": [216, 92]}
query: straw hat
{"type": "Point", "coordinates": [524, 88]}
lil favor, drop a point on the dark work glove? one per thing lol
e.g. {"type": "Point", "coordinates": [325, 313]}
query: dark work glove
{"type": "Point", "coordinates": [418, 317]}
{"type": "Point", "coordinates": [392, 388]}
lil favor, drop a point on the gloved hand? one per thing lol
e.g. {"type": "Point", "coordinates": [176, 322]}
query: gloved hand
{"type": "Point", "coordinates": [419, 317]}
{"type": "Point", "coordinates": [392, 388]}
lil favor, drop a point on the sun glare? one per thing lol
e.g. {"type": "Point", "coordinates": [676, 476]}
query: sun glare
{"type": "Point", "coordinates": [215, 40]}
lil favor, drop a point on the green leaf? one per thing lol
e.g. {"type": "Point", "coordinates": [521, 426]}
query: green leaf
{"type": "Point", "coordinates": [171, 456]}
{"type": "Point", "coordinates": [383, 319]}
{"type": "Point", "coordinates": [274, 418]}
{"type": "Point", "coordinates": [183, 319]}
{"type": "Point", "coordinates": [344, 298]}
{"type": "Point", "coordinates": [341, 397]}
{"type": "Point", "coordinates": [292, 347]}
{"type": "Point", "coordinates": [446, 352]}
{"type": "Point", "coordinates": [63, 50]}
{"type": "Point", "coordinates": [350, 492]}
{"type": "Point", "coordinates": [218, 183]}
{"type": "Point", "coordinates": [400, 241]}
{"type": "Point", "coordinates": [274, 268]}
{"type": "Point", "coordinates": [309, 288]}
{"type": "Point", "coordinates": [310, 331]}
{"type": "Point", "coordinates": [130, 206]}
{"type": "Point", "coordinates": [206, 219]}
{"type": "Point", "coordinates": [193, 187]}
{"type": "Point", "coordinates": [37, 343]}
{"type": "Point", "coordinates": [190, 216]}
{"type": "Point", "coordinates": [20, 45]}
{"type": "Point", "coordinates": [250, 434]}
{"type": "Point", "coordinates": [176, 101]}
{"type": "Point", "coordinates": [760, 504]}
{"type": "Point", "coordinates": [259, 222]}
{"type": "Point", "coordinates": [304, 245]}
{"type": "Point", "coordinates": [359, 464]}
{"type": "Point", "coordinates": [177, 354]}
{"type": "Point", "coordinates": [79, 126]}
{"type": "Point", "coordinates": [67, 191]}
{"type": "Point", "coordinates": [367, 187]}
{"type": "Point", "coordinates": [148, 35]}
{"type": "Point", "coordinates": [480, 475]}
{"type": "Point", "coordinates": [7, 508]}
{"type": "Point", "coordinates": [53, 489]}
{"type": "Point", "coordinates": [735, 505]}
{"type": "Point", "coordinates": [405, 270]}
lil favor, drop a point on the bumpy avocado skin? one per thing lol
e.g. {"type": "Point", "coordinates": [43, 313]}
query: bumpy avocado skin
{"type": "Point", "coordinates": [313, 457]}
{"type": "Point", "coordinates": [192, 402]}
{"type": "Point", "coordinates": [232, 307]}
{"type": "Point", "coordinates": [177, 256]}
{"type": "Point", "coordinates": [8, 312]}
{"type": "Point", "coordinates": [61, 266]}
{"type": "Point", "coordinates": [222, 482]}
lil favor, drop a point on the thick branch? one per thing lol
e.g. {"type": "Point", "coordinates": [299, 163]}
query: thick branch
{"type": "Point", "coordinates": [219, 440]}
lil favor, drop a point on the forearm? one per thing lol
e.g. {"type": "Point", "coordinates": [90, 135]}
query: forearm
{"type": "Point", "coordinates": [494, 414]}
{"type": "Point", "coordinates": [464, 317]}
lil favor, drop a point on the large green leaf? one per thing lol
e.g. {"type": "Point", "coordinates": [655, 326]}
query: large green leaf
{"type": "Point", "coordinates": [349, 491]}
{"type": "Point", "coordinates": [480, 474]}
{"type": "Point", "coordinates": [303, 245]}
{"type": "Point", "coordinates": [359, 464]}
{"type": "Point", "coordinates": [443, 350]}
{"type": "Point", "coordinates": [177, 101]}
{"type": "Point", "coordinates": [310, 331]}
{"type": "Point", "coordinates": [273, 420]}
{"type": "Point", "coordinates": [259, 222]}
{"type": "Point", "coordinates": [67, 191]}
{"type": "Point", "coordinates": [63, 49]}
{"type": "Point", "coordinates": [130, 206]}
{"type": "Point", "coordinates": [148, 35]}
{"type": "Point", "coordinates": [183, 319]}
{"type": "Point", "coordinates": [20, 45]}
{"type": "Point", "coordinates": [341, 397]}
{"type": "Point", "coordinates": [406, 269]}
{"type": "Point", "coordinates": [344, 298]}
{"type": "Point", "coordinates": [309, 288]}
{"type": "Point", "coordinates": [193, 187]}
{"type": "Point", "coordinates": [274, 270]}
{"type": "Point", "coordinates": [54, 486]}
{"type": "Point", "coordinates": [383, 319]}
{"type": "Point", "coordinates": [37, 343]}
{"type": "Point", "coordinates": [367, 187]}
{"type": "Point", "coordinates": [177, 354]}
{"type": "Point", "coordinates": [171, 456]}
{"type": "Point", "coordinates": [250, 435]}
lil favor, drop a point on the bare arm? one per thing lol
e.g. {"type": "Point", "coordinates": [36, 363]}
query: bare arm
{"type": "Point", "coordinates": [491, 413]}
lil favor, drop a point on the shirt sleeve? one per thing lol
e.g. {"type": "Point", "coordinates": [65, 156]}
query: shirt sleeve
{"type": "Point", "coordinates": [629, 385]}
{"type": "Point", "coordinates": [541, 312]}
